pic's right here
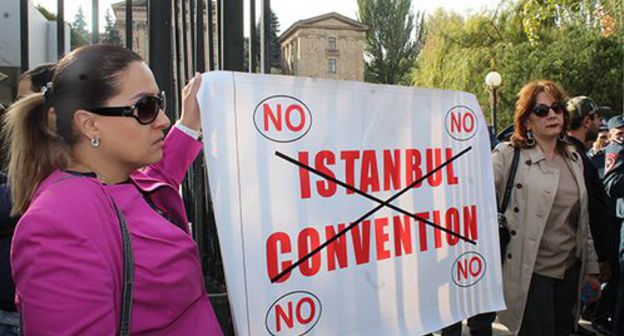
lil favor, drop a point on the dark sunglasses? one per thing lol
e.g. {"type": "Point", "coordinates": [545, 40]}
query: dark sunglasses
{"type": "Point", "coordinates": [541, 110]}
{"type": "Point", "coordinates": [147, 109]}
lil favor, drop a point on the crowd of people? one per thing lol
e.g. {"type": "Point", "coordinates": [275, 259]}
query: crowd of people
{"type": "Point", "coordinates": [557, 216]}
{"type": "Point", "coordinates": [102, 245]}
{"type": "Point", "coordinates": [560, 169]}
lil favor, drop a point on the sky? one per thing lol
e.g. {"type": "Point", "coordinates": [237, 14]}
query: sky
{"type": "Point", "coordinates": [287, 11]}
{"type": "Point", "coordinates": [71, 9]}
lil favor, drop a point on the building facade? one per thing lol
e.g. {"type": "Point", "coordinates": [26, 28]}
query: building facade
{"type": "Point", "coordinates": [325, 46]}
{"type": "Point", "coordinates": [140, 32]}
{"type": "Point", "coordinates": [140, 28]}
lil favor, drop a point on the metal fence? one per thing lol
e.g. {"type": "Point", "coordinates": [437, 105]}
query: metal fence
{"type": "Point", "coordinates": [192, 36]}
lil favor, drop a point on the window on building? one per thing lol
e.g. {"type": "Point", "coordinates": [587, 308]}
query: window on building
{"type": "Point", "coordinates": [331, 43]}
{"type": "Point", "coordinates": [331, 66]}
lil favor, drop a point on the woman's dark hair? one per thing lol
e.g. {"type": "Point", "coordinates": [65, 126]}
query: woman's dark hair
{"type": "Point", "coordinates": [85, 78]}
{"type": "Point", "coordinates": [527, 97]}
{"type": "Point", "coordinates": [39, 76]}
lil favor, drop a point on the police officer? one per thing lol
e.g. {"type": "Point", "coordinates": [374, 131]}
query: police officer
{"type": "Point", "coordinates": [614, 185]}
{"type": "Point", "coordinates": [583, 129]}
{"type": "Point", "coordinates": [597, 153]}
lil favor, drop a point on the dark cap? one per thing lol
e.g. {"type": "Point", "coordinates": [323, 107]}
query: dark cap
{"type": "Point", "coordinates": [616, 122]}
{"type": "Point", "coordinates": [605, 111]}
{"type": "Point", "coordinates": [581, 106]}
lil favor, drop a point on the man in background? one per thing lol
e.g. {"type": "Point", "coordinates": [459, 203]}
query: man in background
{"type": "Point", "coordinates": [9, 319]}
{"type": "Point", "coordinates": [584, 128]}
{"type": "Point", "coordinates": [30, 82]}
{"type": "Point", "coordinates": [614, 185]}
{"type": "Point", "coordinates": [596, 153]}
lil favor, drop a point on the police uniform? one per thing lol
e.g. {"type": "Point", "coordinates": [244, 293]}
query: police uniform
{"type": "Point", "coordinates": [614, 185]}
{"type": "Point", "coordinates": [614, 168]}
{"type": "Point", "coordinates": [602, 221]}
{"type": "Point", "coordinates": [598, 160]}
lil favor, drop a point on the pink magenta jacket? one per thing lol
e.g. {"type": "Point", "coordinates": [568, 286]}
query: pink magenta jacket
{"type": "Point", "coordinates": [67, 254]}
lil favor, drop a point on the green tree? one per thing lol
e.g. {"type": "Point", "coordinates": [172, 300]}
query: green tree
{"type": "Point", "coordinates": [76, 40]}
{"type": "Point", "coordinates": [79, 26]}
{"type": "Point", "coordinates": [539, 14]}
{"type": "Point", "coordinates": [458, 53]}
{"type": "Point", "coordinates": [46, 13]}
{"type": "Point", "coordinates": [79, 23]}
{"type": "Point", "coordinates": [575, 52]}
{"type": "Point", "coordinates": [111, 34]}
{"type": "Point", "coordinates": [275, 53]}
{"type": "Point", "coordinates": [393, 39]}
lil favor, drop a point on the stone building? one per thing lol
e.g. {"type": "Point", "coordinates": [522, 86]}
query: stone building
{"type": "Point", "coordinates": [140, 32]}
{"type": "Point", "coordinates": [325, 46]}
{"type": "Point", "coordinates": [140, 29]}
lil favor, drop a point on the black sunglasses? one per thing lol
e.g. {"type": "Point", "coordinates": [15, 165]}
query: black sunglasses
{"type": "Point", "coordinates": [147, 109]}
{"type": "Point", "coordinates": [541, 110]}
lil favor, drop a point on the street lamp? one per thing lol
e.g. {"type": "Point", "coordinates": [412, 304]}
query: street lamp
{"type": "Point", "coordinates": [493, 80]}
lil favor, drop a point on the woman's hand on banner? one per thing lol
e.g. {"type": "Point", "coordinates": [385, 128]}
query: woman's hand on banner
{"type": "Point", "coordinates": [190, 107]}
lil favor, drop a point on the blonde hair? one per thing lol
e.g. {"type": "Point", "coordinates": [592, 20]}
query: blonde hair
{"type": "Point", "coordinates": [34, 148]}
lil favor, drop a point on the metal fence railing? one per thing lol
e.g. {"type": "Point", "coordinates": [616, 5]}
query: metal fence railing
{"type": "Point", "coordinates": [191, 36]}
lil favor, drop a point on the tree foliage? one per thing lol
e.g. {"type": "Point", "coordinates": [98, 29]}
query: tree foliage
{"type": "Point", "coordinates": [46, 13]}
{"type": "Point", "coordinates": [602, 14]}
{"type": "Point", "coordinates": [393, 39]}
{"type": "Point", "coordinates": [79, 29]}
{"type": "Point", "coordinates": [577, 52]}
{"type": "Point", "coordinates": [275, 53]}
{"type": "Point", "coordinates": [111, 34]}
{"type": "Point", "coordinates": [76, 39]}
{"type": "Point", "coordinates": [79, 23]}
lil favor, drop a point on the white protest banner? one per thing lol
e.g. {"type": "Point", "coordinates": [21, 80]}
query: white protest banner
{"type": "Point", "coordinates": [392, 186]}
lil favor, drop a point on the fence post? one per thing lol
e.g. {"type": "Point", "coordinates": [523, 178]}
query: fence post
{"type": "Point", "coordinates": [160, 27]}
{"type": "Point", "coordinates": [129, 23]}
{"type": "Point", "coordinates": [232, 47]}
{"type": "Point", "coordinates": [24, 35]}
{"type": "Point", "coordinates": [60, 28]}
{"type": "Point", "coordinates": [95, 29]}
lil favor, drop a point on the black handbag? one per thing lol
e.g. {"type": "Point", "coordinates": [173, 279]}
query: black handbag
{"type": "Point", "coordinates": [503, 231]}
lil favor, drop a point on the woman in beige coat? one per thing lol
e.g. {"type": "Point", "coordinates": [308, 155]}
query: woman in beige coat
{"type": "Point", "coordinates": [551, 252]}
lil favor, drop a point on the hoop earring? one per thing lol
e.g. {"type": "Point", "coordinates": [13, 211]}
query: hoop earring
{"type": "Point", "coordinates": [530, 140]}
{"type": "Point", "coordinates": [95, 142]}
{"type": "Point", "coordinates": [562, 137]}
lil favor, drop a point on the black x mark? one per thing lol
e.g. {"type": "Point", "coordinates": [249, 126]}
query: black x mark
{"type": "Point", "coordinates": [372, 211]}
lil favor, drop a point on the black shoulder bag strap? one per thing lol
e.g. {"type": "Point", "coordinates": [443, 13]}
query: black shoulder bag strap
{"type": "Point", "coordinates": [128, 276]}
{"type": "Point", "coordinates": [510, 181]}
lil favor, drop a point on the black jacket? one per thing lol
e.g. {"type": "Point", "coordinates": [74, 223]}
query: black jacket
{"type": "Point", "coordinates": [614, 175]}
{"type": "Point", "coordinates": [598, 160]}
{"type": "Point", "coordinates": [7, 287]}
{"type": "Point", "coordinates": [602, 220]}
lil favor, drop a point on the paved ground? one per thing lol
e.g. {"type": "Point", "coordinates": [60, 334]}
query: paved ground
{"type": "Point", "coordinates": [500, 330]}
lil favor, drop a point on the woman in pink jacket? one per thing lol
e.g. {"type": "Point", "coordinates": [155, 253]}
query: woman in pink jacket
{"type": "Point", "coordinates": [103, 246]}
